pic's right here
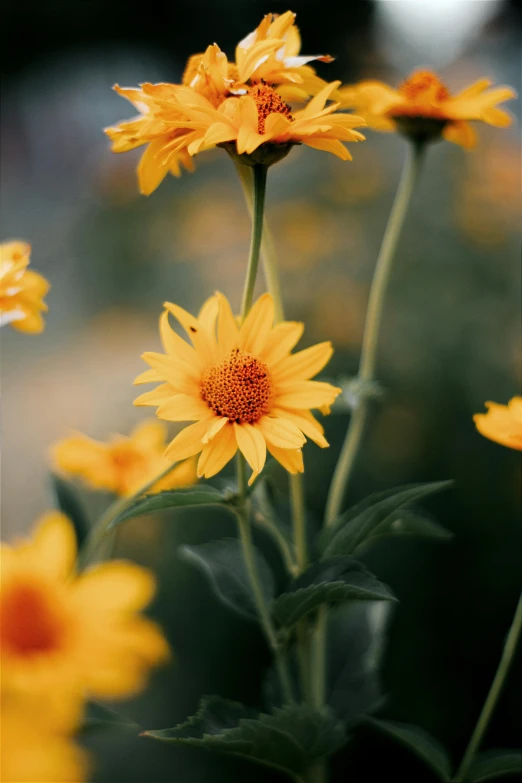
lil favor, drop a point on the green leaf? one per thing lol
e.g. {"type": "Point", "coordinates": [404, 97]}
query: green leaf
{"type": "Point", "coordinates": [224, 564]}
{"type": "Point", "coordinates": [332, 581]}
{"type": "Point", "coordinates": [199, 495]}
{"type": "Point", "coordinates": [98, 717]}
{"type": "Point", "coordinates": [288, 739]}
{"type": "Point", "coordinates": [422, 744]}
{"type": "Point", "coordinates": [382, 514]}
{"type": "Point", "coordinates": [70, 504]}
{"type": "Point", "coordinates": [356, 642]}
{"type": "Point", "coordinates": [495, 764]}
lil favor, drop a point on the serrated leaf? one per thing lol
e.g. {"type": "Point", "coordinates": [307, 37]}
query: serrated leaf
{"type": "Point", "coordinates": [332, 581]}
{"type": "Point", "coordinates": [422, 744]}
{"type": "Point", "coordinates": [199, 495]}
{"type": "Point", "coordinates": [288, 739]}
{"type": "Point", "coordinates": [98, 717]}
{"type": "Point", "coordinates": [70, 504]}
{"type": "Point", "coordinates": [223, 562]}
{"type": "Point", "coordinates": [375, 517]}
{"type": "Point", "coordinates": [495, 764]}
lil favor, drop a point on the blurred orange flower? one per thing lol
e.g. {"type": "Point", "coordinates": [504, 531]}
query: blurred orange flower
{"type": "Point", "coordinates": [124, 464]}
{"type": "Point", "coordinates": [422, 107]}
{"type": "Point", "coordinates": [21, 289]}
{"type": "Point", "coordinates": [34, 748]}
{"type": "Point", "coordinates": [67, 636]}
{"type": "Point", "coordinates": [502, 423]}
{"type": "Point", "coordinates": [241, 387]}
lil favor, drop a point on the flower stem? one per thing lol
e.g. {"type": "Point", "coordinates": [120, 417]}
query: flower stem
{"type": "Point", "coordinates": [268, 251]}
{"type": "Point", "coordinates": [372, 326]}
{"type": "Point", "coordinates": [508, 652]}
{"type": "Point", "coordinates": [258, 206]}
{"type": "Point", "coordinates": [273, 283]}
{"type": "Point", "coordinates": [245, 535]}
{"type": "Point", "coordinates": [99, 531]}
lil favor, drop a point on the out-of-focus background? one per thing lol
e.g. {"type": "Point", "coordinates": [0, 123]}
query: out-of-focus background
{"type": "Point", "coordinates": [450, 338]}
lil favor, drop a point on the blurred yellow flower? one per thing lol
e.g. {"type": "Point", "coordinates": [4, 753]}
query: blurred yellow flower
{"type": "Point", "coordinates": [34, 748]}
{"type": "Point", "coordinates": [69, 636]}
{"type": "Point", "coordinates": [21, 289]}
{"type": "Point", "coordinates": [502, 423]}
{"type": "Point", "coordinates": [124, 464]}
{"type": "Point", "coordinates": [422, 107]}
{"type": "Point", "coordinates": [240, 386]}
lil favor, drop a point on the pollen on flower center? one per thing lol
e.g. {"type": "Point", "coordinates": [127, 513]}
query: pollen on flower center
{"type": "Point", "coordinates": [268, 102]}
{"type": "Point", "coordinates": [29, 624]}
{"type": "Point", "coordinates": [239, 388]}
{"type": "Point", "coordinates": [421, 82]}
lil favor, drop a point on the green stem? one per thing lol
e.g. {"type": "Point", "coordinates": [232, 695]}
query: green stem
{"type": "Point", "coordinates": [372, 326]}
{"type": "Point", "coordinates": [258, 206]}
{"type": "Point", "coordinates": [245, 535]}
{"type": "Point", "coordinates": [268, 251]}
{"type": "Point", "coordinates": [99, 531]}
{"type": "Point", "coordinates": [508, 652]}
{"type": "Point", "coordinates": [319, 658]}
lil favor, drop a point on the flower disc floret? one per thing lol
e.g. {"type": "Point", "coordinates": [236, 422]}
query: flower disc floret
{"type": "Point", "coordinates": [239, 388]}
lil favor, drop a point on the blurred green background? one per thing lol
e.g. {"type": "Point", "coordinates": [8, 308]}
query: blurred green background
{"type": "Point", "coordinates": [450, 338]}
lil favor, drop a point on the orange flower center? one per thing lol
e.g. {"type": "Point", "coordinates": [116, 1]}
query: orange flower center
{"type": "Point", "coordinates": [29, 622]}
{"type": "Point", "coordinates": [422, 82]}
{"type": "Point", "coordinates": [239, 388]}
{"type": "Point", "coordinates": [268, 102]}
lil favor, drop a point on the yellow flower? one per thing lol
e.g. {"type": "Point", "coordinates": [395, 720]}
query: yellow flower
{"type": "Point", "coordinates": [240, 386]}
{"type": "Point", "coordinates": [124, 464]}
{"type": "Point", "coordinates": [21, 289]}
{"type": "Point", "coordinates": [69, 636]}
{"type": "Point", "coordinates": [260, 128]}
{"type": "Point", "coordinates": [34, 748]}
{"type": "Point", "coordinates": [422, 107]}
{"type": "Point", "coordinates": [270, 53]}
{"type": "Point", "coordinates": [502, 423]}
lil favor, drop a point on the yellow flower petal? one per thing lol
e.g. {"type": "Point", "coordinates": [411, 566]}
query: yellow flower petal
{"type": "Point", "coordinates": [283, 337]}
{"type": "Point", "coordinates": [115, 586]}
{"type": "Point", "coordinates": [304, 364]}
{"type": "Point", "coordinates": [189, 441]}
{"type": "Point", "coordinates": [255, 331]}
{"type": "Point", "coordinates": [253, 447]}
{"type": "Point", "coordinates": [157, 396]}
{"type": "Point", "coordinates": [306, 423]}
{"type": "Point", "coordinates": [183, 407]}
{"type": "Point", "coordinates": [290, 459]}
{"type": "Point", "coordinates": [502, 423]}
{"type": "Point", "coordinates": [55, 544]}
{"type": "Point", "coordinates": [306, 394]}
{"type": "Point", "coordinates": [281, 432]}
{"type": "Point", "coordinates": [218, 452]}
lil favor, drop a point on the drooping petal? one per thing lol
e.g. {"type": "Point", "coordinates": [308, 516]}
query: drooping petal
{"type": "Point", "coordinates": [460, 133]}
{"type": "Point", "coordinates": [189, 441]}
{"type": "Point", "coordinates": [281, 432]}
{"type": "Point", "coordinates": [253, 447]}
{"type": "Point", "coordinates": [306, 422]}
{"type": "Point", "coordinates": [218, 452]}
{"type": "Point", "coordinates": [290, 459]}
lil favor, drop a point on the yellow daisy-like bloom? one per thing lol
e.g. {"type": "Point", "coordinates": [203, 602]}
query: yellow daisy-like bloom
{"type": "Point", "coordinates": [260, 127]}
{"type": "Point", "coordinates": [69, 636]}
{"type": "Point", "coordinates": [34, 748]}
{"type": "Point", "coordinates": [21, 289]}
{"type": "Point", "coordinates": [240, 385]}
{"type": "Point", "coordinates": [502, 423]}
{"type": "Point", "coordinates": [124, 464]}
{"type": "Point", "coordinates": [422, 107]}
